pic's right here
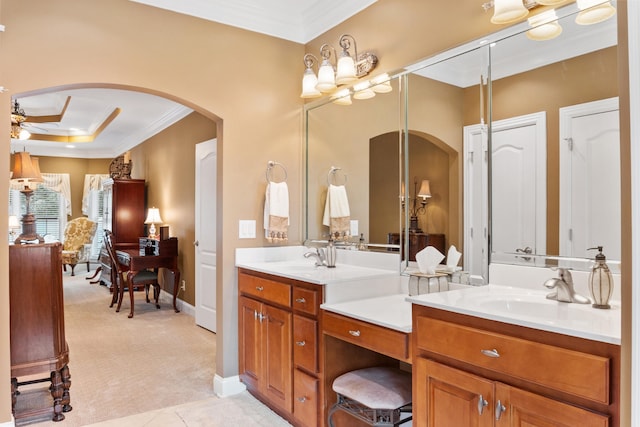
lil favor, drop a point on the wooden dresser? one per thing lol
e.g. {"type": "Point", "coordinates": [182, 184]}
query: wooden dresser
{"type": "Point", "coordinates": [38, 345]}
{"type": "Point", "coordinates": [123, 214]}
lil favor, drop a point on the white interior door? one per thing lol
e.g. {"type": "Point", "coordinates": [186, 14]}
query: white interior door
{"type": "Point", "coordinates": [476, 260]}
{"type": "Point", "coordinates": [205, 244]}
{"type": "Point", "coordinates": [519, 184]}
{"type": "Point", "coordinates": [590, 179]}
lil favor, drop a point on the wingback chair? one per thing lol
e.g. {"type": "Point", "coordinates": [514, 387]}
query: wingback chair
{"type": "Point", "coordinates": [76, 247]}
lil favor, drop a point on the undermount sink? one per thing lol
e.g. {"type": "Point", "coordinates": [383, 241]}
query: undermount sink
{"type": "Point", "coordinates": [530, 308]}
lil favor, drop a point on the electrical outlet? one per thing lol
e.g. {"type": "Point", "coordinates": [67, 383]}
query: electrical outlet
{"type": "Point", "coordinates": [183, 285]}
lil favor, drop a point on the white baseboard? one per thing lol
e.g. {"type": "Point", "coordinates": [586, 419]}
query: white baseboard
{"type": "Point", "coordinates": [184, 307]}
{"type": "Point", "coordinates": [225, 387]}
{"type": "Point", "coordinates": [11, 423]}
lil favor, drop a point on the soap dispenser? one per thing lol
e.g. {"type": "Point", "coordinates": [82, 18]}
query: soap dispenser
{"type": "Point", "coordinates": [600, 281]}
{"type": "Point", "coordinates": [331, 254]}
{"type": "Point", "coordinates": [362, 246]}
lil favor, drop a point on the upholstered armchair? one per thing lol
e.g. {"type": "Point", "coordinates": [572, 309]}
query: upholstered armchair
{"type": "Point", "coordinates": [76, 247]}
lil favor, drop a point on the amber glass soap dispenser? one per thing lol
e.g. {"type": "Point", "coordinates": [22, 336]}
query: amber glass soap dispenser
{"type": "Point", "coordinates": [600, 281]}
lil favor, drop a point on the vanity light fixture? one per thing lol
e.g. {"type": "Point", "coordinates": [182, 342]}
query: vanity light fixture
{"type": "Point", "coordinates": [350, 66]}
{"type": "Point", "coordinates": [594, 11]}
{"type": "Point", "coordinates": [363, 90]}
{"type": "Point", "coordinates": [342, 97]}
{"type": "Point", "coordinates": [544, 26]}
{"type": "Point", "coordinates": [381, 83]}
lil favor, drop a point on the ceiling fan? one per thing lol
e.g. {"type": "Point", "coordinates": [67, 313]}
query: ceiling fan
{"type": "Point", "coordinates": [66, 125]}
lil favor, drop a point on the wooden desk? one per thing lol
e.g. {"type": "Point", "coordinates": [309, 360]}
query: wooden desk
{"type": "Point", "coordinates": [134, 261]}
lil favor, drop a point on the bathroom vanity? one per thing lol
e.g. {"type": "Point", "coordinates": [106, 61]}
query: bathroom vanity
{"type": "Point", "coordinates": [499, 355]}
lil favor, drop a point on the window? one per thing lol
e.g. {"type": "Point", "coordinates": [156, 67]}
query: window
{"type": "Point", "coordinates": [46, 205]}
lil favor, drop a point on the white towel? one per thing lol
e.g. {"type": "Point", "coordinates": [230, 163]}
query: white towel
{"type": "Point", "coordinates": [336, 212]}
{"type": "Point", "coordinates": [276, 212]}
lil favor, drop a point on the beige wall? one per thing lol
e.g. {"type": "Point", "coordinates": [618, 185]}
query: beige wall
{"type": "Point", "coordinates": [166, 161]}
{"type": "Point", "coordinates": [248, 83]}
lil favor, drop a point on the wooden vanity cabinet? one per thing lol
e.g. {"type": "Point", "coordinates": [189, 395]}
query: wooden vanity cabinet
{"type": "Point", "coordinates": [279, 344]}
{"type": "Point", "coordinates": [471, 371]}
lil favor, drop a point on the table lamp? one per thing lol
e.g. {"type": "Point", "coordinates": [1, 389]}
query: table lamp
{"type": "Point", "coordinates": [26, 171]}
{"type": "Point", "coordinates": [153, 218]}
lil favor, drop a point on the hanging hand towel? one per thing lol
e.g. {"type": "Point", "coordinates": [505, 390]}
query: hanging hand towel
{"type": "Point", "coordinates": [276, 212]}
{"type": "Point", "coordinates": [336, 212]}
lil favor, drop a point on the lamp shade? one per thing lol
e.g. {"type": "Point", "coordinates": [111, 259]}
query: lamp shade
{"type": "Point", "coordinates": [549, 2]}
{"type": "Point", "coordinates": [23, 168]}
{"type": "Point", "coordinates": [346, 72]}
{"type": "Point", "coordinates": [342, 97]}
{"type": "Point", "coordinates": [594, 11]}
{"type": "Point", "coordinates": [425, 189]}
{"type": "Point", "coordinates": [153, 216]}
{"type": "Point", "coordinates": [309, 83]}
{"type": "Point", "coordinates": [326, 77]}
{"type": "Point", "coordinates": [13, 221]}
{"type": "Point", "coordinates": [363, 91]}
{"type": "Point", "coordinates": [506, 11]}
{"type": "Point", "coordinates": [544, 26]}
{"type": "Point", "coordinates": [381, 84]}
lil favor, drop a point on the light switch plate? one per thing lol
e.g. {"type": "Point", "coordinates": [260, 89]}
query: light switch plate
{"type": "Point", "coordinates": [247, 229]}
{"type": "Point", "coordinates": [354, 227]}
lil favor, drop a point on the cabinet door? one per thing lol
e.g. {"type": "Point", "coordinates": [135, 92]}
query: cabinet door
{"type": "Point", "coordinates": [249, 342]}
{"type": "Point", "coordinates": [525, 409]}
{"type": "Point", "coordinates": [447, 397]}
{"type": "Point", "coordinates": [276, 350]}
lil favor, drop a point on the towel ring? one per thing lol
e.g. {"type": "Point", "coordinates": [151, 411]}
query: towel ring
{"type": "Point", "coordinates": [270, 165]}
{"type": "Point", "coordinates": [333, 174]}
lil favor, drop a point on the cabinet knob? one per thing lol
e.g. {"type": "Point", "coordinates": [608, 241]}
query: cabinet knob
{"type": "Point", "coordinates": [302, 399]}
{"type": "Point", "coordinates": [481, 404]}
{"type": "Point", "coordinates": [300, 343]}
{"type": "Point", "coordinates": [500, 408]}
{"type": "Point", "coordinates": [355, 333]}
{"type": "Point", "coordinates": [490, 353]}
{"type": "Point", "coordinates": [259, 288]}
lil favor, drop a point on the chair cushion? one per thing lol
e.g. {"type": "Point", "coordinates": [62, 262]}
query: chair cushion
{"type": "Point", "coordinates": [70, 257]}
{"type": "Point", "coordinates": [145, 276]}
{"type": "Point", "coordinates": [377, 388]}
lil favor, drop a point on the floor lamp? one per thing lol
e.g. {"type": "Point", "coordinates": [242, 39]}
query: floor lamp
{"type": "Point", "coordinates": [26, 171]}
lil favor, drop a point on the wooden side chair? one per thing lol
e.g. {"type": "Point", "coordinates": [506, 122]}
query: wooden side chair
{"type": "Point", "coordinates": [142, 280]}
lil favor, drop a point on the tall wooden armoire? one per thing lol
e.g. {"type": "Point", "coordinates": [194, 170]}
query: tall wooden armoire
{"type": "Point", "coordinates": [123, 215]}
{"type": "Point", "coordinates": [38, 344]}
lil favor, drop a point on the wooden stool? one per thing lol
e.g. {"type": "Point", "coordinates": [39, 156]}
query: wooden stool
{"type": "Point", "coordinates": [378, 396]}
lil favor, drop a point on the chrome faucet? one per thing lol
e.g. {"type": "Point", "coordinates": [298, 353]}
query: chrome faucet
{"type": "Point", "coordinates": [563, 284]}
{"type": "Point", "coordinates": [319, 255]}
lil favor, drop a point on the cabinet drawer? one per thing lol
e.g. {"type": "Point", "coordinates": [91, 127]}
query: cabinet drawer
{"type": "Point", "coordinates": [305, 339]}
{"type": "Point", "coordinates": [573, 372]}
{"type": "Point", "coordinates": [305, 398]}
{"type": "Point", "coordinates": [265, 289]}
{"type": "Point", "coordinates": [377, 338]}
{"type": "Point", "coordinates": [305, 300]}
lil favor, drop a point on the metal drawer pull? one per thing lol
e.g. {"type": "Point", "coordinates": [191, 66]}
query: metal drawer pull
{"type": "Point", "coordinates": [500, 408]}
{"type": "Point", "coordinates": [481, 404]}
{"type": "Point", "coordinates": [300, 343]}
{"type": "Point", "coordinates": [301, 300]}
{"type": "Point", "coordinates": [259, 288]}
{"type": "Point", "coordinates": [490, 353]}
{"type": "Point", "coordinates": [302, 399]}
{"type": "Point", "coordinates": [355, 333]}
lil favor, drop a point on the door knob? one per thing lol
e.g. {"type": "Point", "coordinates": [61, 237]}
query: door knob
{"type": "Point", "coordinates": [196, 243]}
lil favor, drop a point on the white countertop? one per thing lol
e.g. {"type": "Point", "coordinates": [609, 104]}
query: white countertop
{"type": "Point", "coordinates": [390, 311]}
{"type": "Point", "coordinates": [529, 308]}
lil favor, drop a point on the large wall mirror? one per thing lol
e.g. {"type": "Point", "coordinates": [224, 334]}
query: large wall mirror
{"type": "Point", "coordinates": [532, 104]}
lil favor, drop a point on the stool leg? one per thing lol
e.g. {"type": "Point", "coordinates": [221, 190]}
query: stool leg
{"type": "Point", "coordinates": [333, 409]}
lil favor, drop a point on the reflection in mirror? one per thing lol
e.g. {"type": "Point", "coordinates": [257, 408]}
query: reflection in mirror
{"type": "Point", "coordinates": [555, 184]}
{"type": "Point", "coordinates": [340, 136]}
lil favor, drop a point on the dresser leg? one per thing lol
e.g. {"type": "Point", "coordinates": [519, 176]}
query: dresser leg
{"type": "Point", "coordinates": [56, 393]}
{"type": "Point", "coordinates": [66, 384]}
